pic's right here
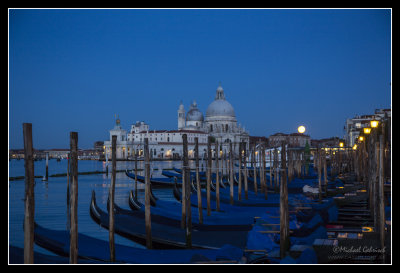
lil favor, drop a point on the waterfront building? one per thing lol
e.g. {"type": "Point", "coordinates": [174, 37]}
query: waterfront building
{"type": "Point", "coordinates": [58, 153]}
{"type": "Point", "coordinates": [355, 125]}
{"type": "Point", "coordinates": [293, 140]}
{"type": "Point", "coordinates": [220, 123]}
{"type": "Point", "coordinates": [332, 142]}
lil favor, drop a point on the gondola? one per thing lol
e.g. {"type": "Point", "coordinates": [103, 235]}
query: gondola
{"type": "Point", "coordinates": [157, 181]}
{"type": "Point", "coordinates": [220, 220]}
{"type": "Point", "coordinates": [163, 235]}
{"type": "Point", "coordinates": [252, 201]}
{"type": "Point", "coordinates": [93, 250]}
{"type": "Point", "coordinates": [202, 174]}
{"type": "Point", "coordinates": [172, 174]}
{"type": "Point", "coordinates": [178, 175]}
{"type": "Point", "coordinates": [327, 209]}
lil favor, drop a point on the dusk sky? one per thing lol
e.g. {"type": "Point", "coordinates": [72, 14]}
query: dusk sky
{"type": "Point", "coordinates": [73, 70]}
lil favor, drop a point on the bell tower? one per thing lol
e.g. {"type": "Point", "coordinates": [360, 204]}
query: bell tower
{"type": "Point", "coordinates": [181, 117]}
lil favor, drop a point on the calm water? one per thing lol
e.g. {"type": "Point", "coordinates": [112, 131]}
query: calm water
{"type": "Point", "coordinates": [50, 196]}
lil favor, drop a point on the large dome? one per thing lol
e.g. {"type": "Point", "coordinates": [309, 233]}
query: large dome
{"type": "Point", "coordinates": [194, 113]}
{"type": "Point", "coordinates": [220, 106]}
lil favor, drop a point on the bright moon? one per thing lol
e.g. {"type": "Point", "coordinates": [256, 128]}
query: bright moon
{"type": "Point", "coordinates": [301, 129]}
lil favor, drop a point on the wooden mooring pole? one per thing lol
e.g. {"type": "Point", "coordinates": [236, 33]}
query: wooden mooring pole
{"type": "Point", "coordinates": [29, 217]}
{"type": "Point", "coordinates": [318, 160]}
{"type": "Point", "coordinates": [47, 167]}
{"type": "Point", "coordinates": [209, 173]}
{"type": "Point", "coordinates": [271, 169]}
{"type": "Point", "coordinates": [231, 173]}
{"type": "Point", "coordinates": [226, 164]}
{"type": "Point", "coordinates": [136, 173]}
{"type": "Point", "coordinates": [111, 198]}
{"type": "Point", "coordinates": [73, 249]}
{"type": "Point", "coordinates": [183, 197]}
{"type": "Point", "coordinates": [262, 185]}
{"type": "Point", "coordinates": [381, 197]}
{"type": "Point", "coordinates": [276, 162]}
{"type": "Point", "coordinates": [240, 172]}
{"type": "Point", "coordinates": [106, 164]}
{"type": "Point", "coordinates": [263, 173]}
{"type": "Point", "coordinates": [325, 173]}
{"type": "Point", "coordinates": [375, 188]}
{"type": "Point", "coordinates": [186, 172]}
{"type": "Point", "coordinates": [199, 205]}
{"type": "Point", "coordinates": [217, 174]}
{"type": "Point", "coordinates": [254, 164]}
{"type": "Point", "coordinates": [246, 195]}
{"type": "Point", "coordinates": [68, 195]}
{"type": "Point", "coordinates": [284, 207]}
{"type": "Point", "coordinates": [149, 243]}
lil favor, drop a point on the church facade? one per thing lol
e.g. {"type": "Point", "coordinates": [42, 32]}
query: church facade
{"type": "Point", "coordinates": [220, 123]}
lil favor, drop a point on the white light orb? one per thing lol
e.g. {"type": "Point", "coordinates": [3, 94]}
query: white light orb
{"type": "Point", "coordinates": [301, 129]}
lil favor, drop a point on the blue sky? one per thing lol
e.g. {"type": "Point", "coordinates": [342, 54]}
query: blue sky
{"type": "Point", "coordinates": [72, 70]}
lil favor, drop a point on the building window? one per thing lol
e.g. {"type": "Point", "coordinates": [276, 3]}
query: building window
{"type": "Point", "coordinates": [211, 128]}
{"type": "Point", "coordinates": [226, 127]}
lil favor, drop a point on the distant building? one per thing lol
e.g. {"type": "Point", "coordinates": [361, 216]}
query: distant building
{"type": "Point", "coordinates": [98, 145]}
{"type": "Point", "coordinates": [355, 125]}
{"type": "Point", "coordinates": [255, 140]}
{"type": "Point", "coordinates": [58, 153]}
{"type": "Point", "coordinates": [162, 143]}
{"type": "Point", "coordinates": [332, 142]}
{"type": "Point", "coordinates": [293, 140]}
{"type": "Point", "coordinates": [220, 123]}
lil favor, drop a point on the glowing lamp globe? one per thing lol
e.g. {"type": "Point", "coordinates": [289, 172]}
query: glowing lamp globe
{"type": "Point", "coordinates": [367, 130]}
{"type": "Point", "coordinates": [301, 129]}
{"type": "Point", "coordinates": [374, 123]}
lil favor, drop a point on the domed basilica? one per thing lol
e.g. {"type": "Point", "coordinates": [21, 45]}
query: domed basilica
{"type": "Point", "coordinates": [219, 122]}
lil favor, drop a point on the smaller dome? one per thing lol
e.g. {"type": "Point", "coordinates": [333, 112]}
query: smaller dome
{"type": "Point", "coordinates": [181, 108]}
{"type": "Point", "coordinates": [194, 113]}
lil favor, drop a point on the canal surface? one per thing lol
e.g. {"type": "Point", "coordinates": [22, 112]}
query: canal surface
{"type": "Point", "coordinates": [51, 196]}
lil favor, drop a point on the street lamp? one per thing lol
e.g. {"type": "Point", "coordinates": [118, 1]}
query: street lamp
{"type": "Point", "coordinates": [360, 138]}
{"type": "Point", "coordinates": [355, 147]}
{"type": "Point", "coordinates": [301, 129]}
{"type": "Point", "coordinates": [374, 123]}
{"type": "Point", "coordinates": [341, 144]}
{"type": "Point", "coordinates": [367, 130]}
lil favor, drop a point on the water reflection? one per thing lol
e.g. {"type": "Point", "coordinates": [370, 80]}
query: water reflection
{"type": "Point", "coordinates": [51, 197]}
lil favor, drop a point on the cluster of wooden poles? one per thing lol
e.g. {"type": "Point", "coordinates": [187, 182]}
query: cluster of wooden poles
{"type": "Point", "coordinates": [72, 195]}
{"type": "Point", "coordinates": [243, 171]}
{"type": "Point", "coordinates": [371, 163]}
{"type": "Point", "coordinates": [367, 162]}
{"type": "Point", "coordinates": [72, 190]}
